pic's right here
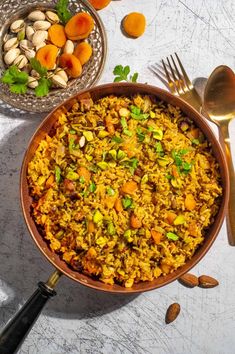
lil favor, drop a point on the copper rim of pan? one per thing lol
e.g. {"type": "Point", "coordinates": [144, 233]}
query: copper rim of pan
{"type": "Point", "coordinates": [125, 89]}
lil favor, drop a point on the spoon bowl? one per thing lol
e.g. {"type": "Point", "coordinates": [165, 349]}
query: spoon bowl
{"type": "Point", "coordinates": [219, 104]}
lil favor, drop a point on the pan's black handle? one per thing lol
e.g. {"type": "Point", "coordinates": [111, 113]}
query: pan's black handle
{"type": "Point", "coordinates": [15, 331]}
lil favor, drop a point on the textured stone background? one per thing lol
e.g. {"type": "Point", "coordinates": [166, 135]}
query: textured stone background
{"type": "Point", "coordinates": [79, 320]}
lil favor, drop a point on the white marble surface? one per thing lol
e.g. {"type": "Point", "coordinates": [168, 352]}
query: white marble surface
{"type": "Point", "coordinates": [79, 320]}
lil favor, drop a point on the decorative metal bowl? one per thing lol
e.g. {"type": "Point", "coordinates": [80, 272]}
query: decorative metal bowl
{"type": "Point", "coordinates": [11, 10]}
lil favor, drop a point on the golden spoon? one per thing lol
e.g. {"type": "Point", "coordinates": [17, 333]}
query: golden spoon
{"type": "Point", "coordinates": [219, 104]}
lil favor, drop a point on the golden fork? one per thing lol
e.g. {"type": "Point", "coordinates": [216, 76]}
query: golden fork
{"type": "Point", "coordinates": [178, 81]}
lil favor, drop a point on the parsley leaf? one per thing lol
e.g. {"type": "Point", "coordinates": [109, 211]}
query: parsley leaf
{"type": "Point", "coordinates": [140, 134]}
{"type": "Point", "coordinates": [43, 87]}
{"type": "Point", "coordinates": [122, 73]}
{"type": "Point", "coordinates": [137, 114]}
{"type": "Point", "coordinates": [16, 79]}
{"type": "Point", "coordinates": [92, 187]}
{"type": "Point", "coordinates": [36, 65]}
{"type": "Point", "coordinates": [126, 202]}
{"type": "Point", "coordinates": [63, 11]}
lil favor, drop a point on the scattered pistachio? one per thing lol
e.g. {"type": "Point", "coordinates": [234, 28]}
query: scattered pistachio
{"type": "Point", "coordinates": [102, 134]}
{"type": "Point", "coordinates": [17, 26]}
{"type": "Point", "coordinates": [113, 154]}
{"type": "Point", "coordinates": [11, 44]}
{"type": "Point", "coordinates": [41, 25]}
{"type": "Point", "coordinates": [102, 165]}
{"type": "Point", "coordinates": [11, 55]}
{"type": "Point", "coordinates": [88, 135]}
{"type": "Point", "coordinates": [179, 220]}
{"type": "Point", "coordinates": [97, 217]}
{"type": "Point", "coordinates": [36, 16]}
{"type": "Point", "coordinates": [82, 141]}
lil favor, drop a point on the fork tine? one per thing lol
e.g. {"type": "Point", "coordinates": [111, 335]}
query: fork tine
{"type": "Point", "coordinates": [176, 81]}
{"type": "Point", "coordinates": [157, 70]}
{"type": "Point", "coordinates": [170, 82]}
{"type": "Point", "coordinates": [180, 77]}
{"type": "Point", "coordinates": [186, 78]}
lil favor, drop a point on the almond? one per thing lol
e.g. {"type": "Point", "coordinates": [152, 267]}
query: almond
{"type": "Point", "coordinates": [207, 282]}
{"type": "Point", "coordinates": [172, 312]}
{"type": "Point", "coordinates": [189, 280]}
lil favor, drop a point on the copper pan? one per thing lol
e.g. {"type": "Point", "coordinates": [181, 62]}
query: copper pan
{"type": "Point", "coordinates": [18, 328]}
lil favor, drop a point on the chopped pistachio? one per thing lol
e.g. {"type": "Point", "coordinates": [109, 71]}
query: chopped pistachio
{"type": "Point", "coordinates": [88, 135]}
{"type": "Point", "coordinates": [172, 236]}
{"type": "Point", "coordinates": [73, 176]}
{"type": "Point", "coordinates": [102, 134]}
{"type": "Point", "coordinates": [112, 164]}
{"type": "Point", "coordinates": [97, 217]}
{"type": "Point", "coordinates": [121, 155]}
{"type": "Point", "coordinates": [163, 161]}
{"type": "Point", "coordinates": [123, 123]}
{"type": "Point", "coordinates": [111, 229]}
{"type": "Point", "coordinates": [101, 241]}
{"type": "Point", "coordinates": [179, 220]}
{"type": "Point", "coordinates": [128, 236]}
{"type": "Point", "coordinates": [176, 183]}
{"type": "Point", "coordinates": [152, 114]}
{"type": "Point", "coordinates": [113, 153]}
{"type": "Point", "coordinates": [144, 179]}
{"type": "Point", "coordinates": [158, 134]}
{"type": "Point", "coordinates": [88, 157]}
{"type": "Point", "coordinates": [59, 235]}
{"type": "Point", "coordinates": [102, 165]}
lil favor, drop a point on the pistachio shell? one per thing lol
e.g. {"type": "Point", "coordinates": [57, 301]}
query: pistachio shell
{"type": "Point", "coordinates": [29, 32]}
{"type": "Point", "coordinates": [41, 25]}
{"type": "Point", "coordinates": [6, 37]}
{"type": "Point", "coordinates": [32, 82]}
{"type": "Point", "coordinates": [35, 74]}
{"type": "Point", "coordinates": [29, 53]}
{"type": "Point", "coordinates": [11, 55]}
{"type": "Point", "coordinates": [10, 44]}
{"type": "Point", "coordinates": [17, 26]}
{"type": "Point", "coordinates": [27, 68]}
{"type": "Point", "coordinates": [40, 45]}
{"type": "Point", "coordinates": [68, 47]}
{"type": "Point", "coordinates": [58, 81]}
{"type": "Point", "coordinates": [52, 17]}
{"type": "Point", "coordinates": [39, 37]}
{"type": "Point", "coordinates": [21, 61]}
{"type": "Point", "coordinates": [36, 16]}
{"type": "Point", "coordinates": [62, 74]}
{"type": "Point", "coordinates": [25, 44]}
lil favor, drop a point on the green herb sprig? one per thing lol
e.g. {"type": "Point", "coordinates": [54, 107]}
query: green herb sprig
{"type": "Point", "coordinates": [16, 80]}
{"type": "Point", "coordinates": [44, 83]}
{"type": "Point", "coordinates": [63, 11]}
{"type": "Point", "coordinates": [122, 73]}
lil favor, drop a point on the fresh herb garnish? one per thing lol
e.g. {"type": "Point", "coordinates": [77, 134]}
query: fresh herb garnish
{"type": "Point", "coordinates": [127, 132]}
{"type": "Point", "coordinates": [123, 123]}
{"type": "Point", "coordinates": [183, 166]}
{"type": "Point", "coordinates": [126, 202]}
{"type": "Point", "coordinates": [57, 174]}
{"type": "Point", "coordinates": [82, 179]}
{"type": "Point", "coordinates": [195, 141]}
{"type": "Point", "coordinates": [16, 80]}
{"type": "Point", "coordinates": [44, 83]}
{"type": "Point", "coordinates": [117, 139]}
{"type": "Point", "coordinates": [137, 114]}
{"type": "Point", "coordinates": [172, 236]}
{"type": "Point", "coordinates": [140, 134]}
{"type": "Point", "coordinates": [63, 11]}
{"type": "Point", "coordinates": [159, 149]}
{"type": "Point", "coordinates": [110, 191]}
{"type": "Point", "coordinates": [122, 73]}
{"type": "Point", "coordinates": [92, 187]}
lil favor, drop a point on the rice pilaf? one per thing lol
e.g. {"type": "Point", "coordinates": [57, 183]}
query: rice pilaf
{"type": "Point", "coordinates": [124, 188]}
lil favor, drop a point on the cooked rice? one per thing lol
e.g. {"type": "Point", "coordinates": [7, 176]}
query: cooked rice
{"type": "Point", "coordinates": [113, 231]}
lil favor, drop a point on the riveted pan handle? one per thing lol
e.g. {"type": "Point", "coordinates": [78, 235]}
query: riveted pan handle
{"type": "Point", "coordinates": [19, 326]}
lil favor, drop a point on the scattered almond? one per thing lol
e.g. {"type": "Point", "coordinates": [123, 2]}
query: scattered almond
{"type": "Point", "coordinates": [205, 281]}
{"type": "Point", "coordinates": [189, 280]}
{"type": "Point", "coordinates": [172, 312]}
